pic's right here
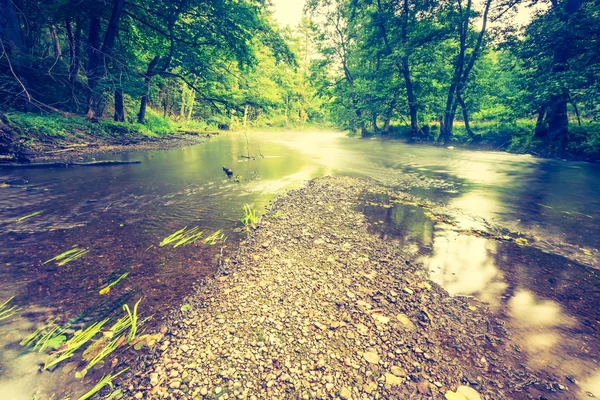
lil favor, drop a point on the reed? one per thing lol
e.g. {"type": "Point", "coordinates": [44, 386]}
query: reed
{"type": "Point", "coordinates": [104, 381]}
{"type": "Point", "coordinates": [5, 311]}
{"type": "Point", "coordinates": [214, 238]}
{"type": "Point", "coordinates": [33, 214]}
{"type": "Point", "coordinates": [106, 288]}
{"type": "Point", "coordinates": [250, 217]}
{"type": "Point", "coordinates": [182, 237]}
{"type": "Point", "coordinates": [68, 256]}
{"type": "Point", "coordinates": [75, 343]}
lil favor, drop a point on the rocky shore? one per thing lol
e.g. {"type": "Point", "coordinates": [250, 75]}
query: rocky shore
{"type": "Point", "coordinates": [313, 305]}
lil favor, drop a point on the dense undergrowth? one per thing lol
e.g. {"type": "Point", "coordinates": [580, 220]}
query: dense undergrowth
{"type": "Point", "coordinates": [516, 137]}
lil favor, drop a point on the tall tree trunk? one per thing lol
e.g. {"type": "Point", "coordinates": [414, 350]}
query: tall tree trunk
{"type": "Point", "coordinates": [94, 60]}
{"type": "Point", "coordinates": [374, 122]}
{"type": "Point", "coordinates": [71, 45]}
{"type": "Point", "coordinates": [386, 125]}
{"type": "Point", "coordinates": [119, 106]}
{"type": "Point", "coordinates": [540, 127]}
{"type": "Point", "coordinates": [55, 42]}
{"type": "Point", "coordinates": [465, 114]}
{"type": "Point", "coordinates": [98, 63]}
{"type": "Point", "coordinates": [192, 102]}
{"type": "Point", "coordinates": [183, 100]}
{"type": "Point", "coordinates": [557, 118]}
{"type": "Point", "coordinates": [146, 96]}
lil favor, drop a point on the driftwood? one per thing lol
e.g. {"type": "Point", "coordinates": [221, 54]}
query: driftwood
{"type": "Point", "coordinates": [69, 164]}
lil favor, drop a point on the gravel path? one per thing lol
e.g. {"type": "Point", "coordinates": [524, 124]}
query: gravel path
{"type": "Point", "coordinates": [315, 306]}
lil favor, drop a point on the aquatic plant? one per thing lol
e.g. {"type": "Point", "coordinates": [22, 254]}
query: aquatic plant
{"type": "Point", "coordinates": [133, 316]}
{"type": "Point", "coordinates": [250, 217]}
{"type": "Point", "coordinates": [68, 256]}
{"type": "Point", "coordinates": [7, 312]}
{"type": "Point", "coordinates": [182, 238]}
{"type": "Point", "coordinates": [49, 336]}
{"type": "Point", "coordinates": [33, 214]}
{"type": "Point", "coordinates": [214, 238]}
{"type": "Point", "coordinates": [73, 344]}
{"type": "Point", "coordinates": [106, 289]}
{"type": "Point", "coordinates": [104, 381]}
{"type": "Point", "coordinates": [99, 355]}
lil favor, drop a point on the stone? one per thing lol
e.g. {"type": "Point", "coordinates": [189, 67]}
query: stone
{"type": "Point", "coordinates": [397, 371]}
{"type": "Point", "coordinates": [175, 384]}
{"type": "Point", "coordinates": [153, 379]}
{"type": "Point", "coordinates": [345, 393]}
{"type": "Point", "coordinates": [469, 393]}
{"type": "Point", "coordinates": [392, 380]}
{"type": "Point", "coordinates": [371, 357]}
{"type": "Point", "coordinates": [406, 322]}
{"type": "Point", "coordinates": [362, 329]}
{"type": "Point", "coordinates": [381, 318]}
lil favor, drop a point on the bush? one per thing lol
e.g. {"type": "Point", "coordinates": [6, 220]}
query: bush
{"type": "Point", "coordinates": [36, 125]}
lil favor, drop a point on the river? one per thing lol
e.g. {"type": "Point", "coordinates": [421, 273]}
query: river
{"type": "Point", "coordinates": [547, 292]}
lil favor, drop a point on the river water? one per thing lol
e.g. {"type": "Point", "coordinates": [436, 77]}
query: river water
{"type": "Point", "coordinates": [547, 292]}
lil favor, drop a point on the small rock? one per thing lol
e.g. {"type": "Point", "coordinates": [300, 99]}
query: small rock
{"type": "Point", "coordinates": [345, 393]}
{"type": "Point", "coordinates": [175, 384]}
{"type": "Point", "coordinates": [392, 380]}
{"type": "Point", "coordinates": [371, 357]}
{"type": "Point", "coordinates": [469, 393]}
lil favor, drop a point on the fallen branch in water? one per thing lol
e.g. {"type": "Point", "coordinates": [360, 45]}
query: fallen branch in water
{"type": "Point", "coordinates": [70, 164]}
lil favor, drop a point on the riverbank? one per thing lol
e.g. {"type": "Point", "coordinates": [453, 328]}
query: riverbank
{"type": "Point", "coordinates": [33, 138]}
{"type": "Point", "coordinates": [516, 138]}
{"type": "Point", "coordinates": [314, 305]}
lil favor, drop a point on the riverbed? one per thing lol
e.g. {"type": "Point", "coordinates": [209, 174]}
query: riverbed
{"type": "Point", "coordinates": [546, 291]}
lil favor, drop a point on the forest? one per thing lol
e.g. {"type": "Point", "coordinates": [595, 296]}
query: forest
{"type": "Point", "coordinates": [439, 71]}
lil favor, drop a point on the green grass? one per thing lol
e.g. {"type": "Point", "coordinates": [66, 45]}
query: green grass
{"type": "Point", "coordinates": [250, 217]}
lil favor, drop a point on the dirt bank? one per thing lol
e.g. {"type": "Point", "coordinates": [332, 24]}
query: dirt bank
{"type": "Point", "coordinates": [315, 306]}
{"type": "Point", "coordinates": [93, 147]}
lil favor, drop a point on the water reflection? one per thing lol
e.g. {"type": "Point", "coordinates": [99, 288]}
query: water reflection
{"type": "Point", "coordinates": [465, 265]}
{"type": "Point", "coordinates": [548, 303]}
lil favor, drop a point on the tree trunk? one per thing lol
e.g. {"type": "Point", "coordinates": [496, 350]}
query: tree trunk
{"type": "Point", "coordinates": [71, 43]}
{"type": "Point", "coordinates": [374, 122]}
{"type": "Point", "coordinates": [192, 102]}
{"type": "Point", "coordinates": [119, 106]}
{"type": "Point", "coordinates": [540, 127]}
{"type": "Point", "coordinates": [386, 125]}
{"type": "Point", "coordinates": [245, 116]}
{"type": "Point", "coordinates": [465, 114]}
{"type": "Point", "coordinates": [93, 65]}
{"type": "Point", "coordinates": [183, 101]}
{"type": "Point", "coordinates": [98, 63]}
{"type": "Point", "coordinates": [557, 118]}
{"type": "Point", "coordinates": [146, 96]}
{"type": "Point", "coordinates": [55, 42]}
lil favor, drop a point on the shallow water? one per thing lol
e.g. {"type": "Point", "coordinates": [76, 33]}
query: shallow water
{"type": "Point", "coordinates": [121, 213]}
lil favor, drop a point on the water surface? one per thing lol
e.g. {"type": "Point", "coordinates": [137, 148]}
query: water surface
{"type": "Point", "coordinates": [121, 213]}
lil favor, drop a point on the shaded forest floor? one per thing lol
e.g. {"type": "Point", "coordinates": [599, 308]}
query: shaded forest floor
{"type": "Point", "coordinates": [315, 305]}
